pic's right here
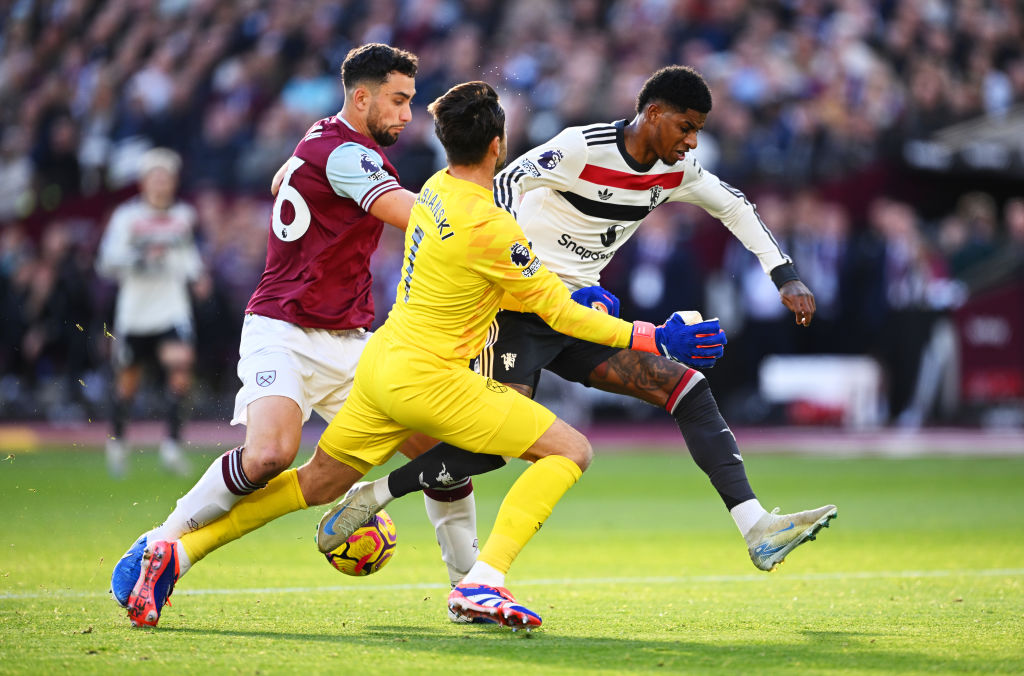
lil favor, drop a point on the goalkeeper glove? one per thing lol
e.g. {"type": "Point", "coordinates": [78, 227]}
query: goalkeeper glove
{"type": "Point", "coordinates": [696, 345]}
{"type": "Point", "coordinates": [597, 298]}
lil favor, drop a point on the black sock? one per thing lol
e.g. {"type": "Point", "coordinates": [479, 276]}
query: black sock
{"type": "Point", "coordinates": [174, 416]}
{"type": "Point", "coordinates": [440, 467]}
{"type": "Point", "coordinates": [118, 416]}
{"type": "Point", "coordinates": [712, 444]}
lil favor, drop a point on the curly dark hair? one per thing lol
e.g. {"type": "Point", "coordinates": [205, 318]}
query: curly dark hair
{"type": "Point", "coordinates": [681, 87]}
{"type": "Point", "coordinates": [466, 118]}
{"type": "Point", "coordinates": [372, 63]}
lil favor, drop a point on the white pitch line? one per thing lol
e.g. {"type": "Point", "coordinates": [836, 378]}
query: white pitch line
{"type": "Point", "coordinates": [683, 579]}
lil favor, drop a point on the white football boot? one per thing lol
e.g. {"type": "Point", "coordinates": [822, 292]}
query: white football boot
{"type": "Point", "coordinates": [776, 535]}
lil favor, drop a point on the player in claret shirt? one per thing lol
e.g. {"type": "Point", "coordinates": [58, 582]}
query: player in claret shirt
{"type": "Point", "coordinates": [305, 328]}
{"type": "Point", "coordinates": [578, 198]}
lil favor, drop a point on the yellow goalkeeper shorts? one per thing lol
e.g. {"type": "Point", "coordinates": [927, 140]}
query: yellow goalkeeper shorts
{"type": "Point", "coordinates": [400, 389]}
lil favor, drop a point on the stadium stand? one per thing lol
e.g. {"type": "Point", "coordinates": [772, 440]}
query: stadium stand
{"type": "Point", "coordinates": [880, 140]}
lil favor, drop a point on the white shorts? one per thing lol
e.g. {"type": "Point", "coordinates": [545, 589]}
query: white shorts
{"type": "Point", "coordinates": [312, 367]}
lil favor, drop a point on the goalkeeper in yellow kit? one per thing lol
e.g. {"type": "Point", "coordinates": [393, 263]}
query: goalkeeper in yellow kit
{"type": "Point", "coordinates": [462, 254]}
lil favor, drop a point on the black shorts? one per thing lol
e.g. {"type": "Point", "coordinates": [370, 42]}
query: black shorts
{"type": "Point", "coordinates": [144, 349]}
{"type": "Point", "coordinates": [519, 345]}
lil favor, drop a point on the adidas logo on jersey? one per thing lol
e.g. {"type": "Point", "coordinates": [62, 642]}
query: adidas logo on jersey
{"type": "Point", "coordinates": [604, 194]}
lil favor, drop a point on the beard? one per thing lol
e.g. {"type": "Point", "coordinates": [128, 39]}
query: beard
{"type": "Point", "coordinates": [380, 133]}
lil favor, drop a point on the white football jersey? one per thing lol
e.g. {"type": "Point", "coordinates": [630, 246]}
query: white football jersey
{"type": "Point", "coordinates": [152, 254]}
{"type": "Point", "coordinates": [580, 196]}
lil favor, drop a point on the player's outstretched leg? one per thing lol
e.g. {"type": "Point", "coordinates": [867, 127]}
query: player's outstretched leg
{"type": "Point", "coordinates": [221, 486]}
{"type": "Point", "coordinates": [484, 603]}
{"type": "Point", "coordinates": [776, 535]}
{"type": "Point", "coordinates": [155, 584]}
{"type": "Point", "coordinates": [686, 396]}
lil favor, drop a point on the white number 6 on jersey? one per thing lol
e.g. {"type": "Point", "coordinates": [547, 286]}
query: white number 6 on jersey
{"type": "Point", "coordinates": [286, 193]}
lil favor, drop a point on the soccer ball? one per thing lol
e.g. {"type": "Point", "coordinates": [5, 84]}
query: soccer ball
{"type": "Point", "coordinates": [368, 549]}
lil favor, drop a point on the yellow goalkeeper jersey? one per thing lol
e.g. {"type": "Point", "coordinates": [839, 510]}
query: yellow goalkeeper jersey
{"type": "Point", "coordinates": [462, 253]}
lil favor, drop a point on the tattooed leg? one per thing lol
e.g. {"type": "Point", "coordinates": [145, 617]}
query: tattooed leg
{"type": "Point", "coordinates": [639, 374]}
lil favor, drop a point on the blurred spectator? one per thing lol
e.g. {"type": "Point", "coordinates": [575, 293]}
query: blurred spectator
{"type": "Point", "coordinates": [56, 308]}
{"type": "Point", "coordinates": [48, 336]}
{"type": "Point", "coordinates": [1015, 227]}
{"type": "Point", "coordinates": [917, 343]}
{"type": "Point", "coordinates": [764, 327]}
{"type": "Point", "coordinates": [56, 159]}
{"type": "Point", "coordinates": [1005, 260]}
{"type": "Point", "coordinates": [153, 85]}
{"type": "Point", "coordinates": [312, 91]}
{"type": "Point", "coordinates": [16, 197]}
{"type": "Point", "coordinates": [98, 113]}
{"type": "Point", "coordinates": [17, 263]}
{"type": "Point", "coordinates": [272, 146]}
{"type": "Point", "coordinates": [149, 248]}
{"type": "Point", "coordinates": [386, 268]}
{"type": "Point", "coordinates": [232, 238]}
{"type": "Point", "coordinates": [216, 149]}
{"type": "Point", "coordinates": [972, 239]}
{"type": "Point", "coordinates": [420, 153]}
{"type": "Point", "coordinates": [820, 244]}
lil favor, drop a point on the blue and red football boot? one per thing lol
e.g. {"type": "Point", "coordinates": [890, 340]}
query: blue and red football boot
{"type": "Point", "coordinates": [495, 604]}
{"type": "Point", "coordinates": [156, 582]}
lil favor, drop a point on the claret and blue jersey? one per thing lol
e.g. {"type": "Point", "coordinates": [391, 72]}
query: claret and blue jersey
{"type": "Point", "coordinates": [319, 246]}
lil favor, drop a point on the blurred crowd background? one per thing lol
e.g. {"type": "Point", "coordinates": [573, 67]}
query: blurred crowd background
{"type": "Point", "coordinates": [883, 142]}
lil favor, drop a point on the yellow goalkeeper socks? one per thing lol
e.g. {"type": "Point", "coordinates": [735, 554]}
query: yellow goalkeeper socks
{"type": "Point", "coordinates": [281, 496]}
{"type": "Point", "coordinates": [526, 507]}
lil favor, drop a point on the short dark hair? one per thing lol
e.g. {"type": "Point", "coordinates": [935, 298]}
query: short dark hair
{"type": "Point", "coordinates": [681, 87]}
{"type": "Point", "coordinates": [467, 117]}
{"type": "Point", "coordinates": [373, 62]}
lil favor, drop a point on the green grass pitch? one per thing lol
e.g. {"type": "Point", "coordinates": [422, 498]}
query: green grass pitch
{"type": "Point", "coordinates": [639, 570]}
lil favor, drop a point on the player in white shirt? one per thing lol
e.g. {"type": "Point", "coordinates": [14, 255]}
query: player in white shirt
{"type": "Point", "coordinates": [581, 196]}
{"type": "Point", "coordinates": [149, 249]}
{"type": "Point", "coordinates": [578, 198]}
